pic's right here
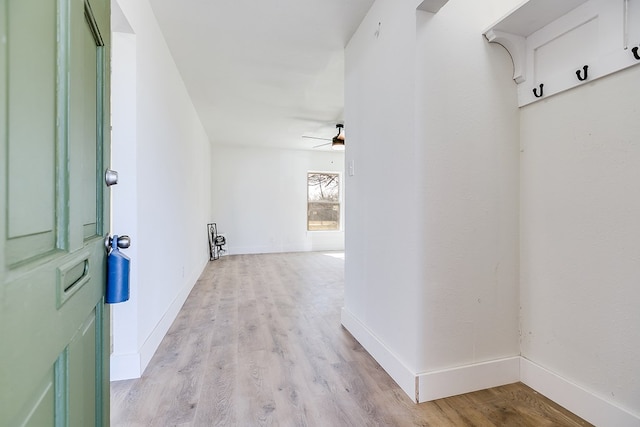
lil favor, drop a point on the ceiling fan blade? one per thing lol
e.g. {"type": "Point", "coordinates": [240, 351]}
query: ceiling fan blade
{"type": "Point", "coordinates": [315, 137]}
{"type": "Point", "coordinates": [322, 145]}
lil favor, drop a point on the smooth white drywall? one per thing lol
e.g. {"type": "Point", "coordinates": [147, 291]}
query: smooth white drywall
{"type": "Point", "coordinates": [383, 247]}
{"type": "Point", "coordinates": [570, 202]}
{"type": "Point", "coordinates": [467, 131]}
{"type": "Point", "coordinates": [125, 221]}
{"type": "Point", "coordinates": [432, 212]}
{"type": "Point", "coordinates": [259, 198]}
{"type": "Point", "coordinates": [580, 253]}
{"type": "Point", "coordinates": [172, 199]}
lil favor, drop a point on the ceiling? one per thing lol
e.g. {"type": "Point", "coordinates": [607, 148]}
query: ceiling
{"type": "Point", "coordinates": [263, 73]}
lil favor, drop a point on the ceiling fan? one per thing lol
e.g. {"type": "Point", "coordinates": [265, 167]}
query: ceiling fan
{"type": "Point", "coordinates": [337, 142]}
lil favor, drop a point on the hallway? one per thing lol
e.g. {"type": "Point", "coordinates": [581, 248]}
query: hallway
{"type": "Point", "coordinates": [259, 342]}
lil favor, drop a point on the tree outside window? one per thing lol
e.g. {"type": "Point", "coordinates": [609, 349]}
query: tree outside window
{"type": "Point", "coordinates": [323, 201]}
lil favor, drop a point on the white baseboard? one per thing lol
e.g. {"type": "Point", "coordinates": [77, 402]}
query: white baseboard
{"type": "Point", "coordinates": [423, 387]}
{"type": "Point", "coordinates": [468, 378]}
{"type": "Point", "coordinates": [255, 250]}
{"type": "Point", "coordinates": [581, 402]}
{"type": "Point", "coordinates": [130, 366]}
{"type": "Point", "coordinates": [124, 366]}
{"type": "Point", "coordinates": [152, 342]}
{"type": "Point", "coordinates": [389, 362]}
{"type": "Point", "coordinates": [433, 385]}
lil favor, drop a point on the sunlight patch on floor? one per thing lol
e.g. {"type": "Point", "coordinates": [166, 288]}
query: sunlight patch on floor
{"type": "Point", "coordinates": [339, 255]}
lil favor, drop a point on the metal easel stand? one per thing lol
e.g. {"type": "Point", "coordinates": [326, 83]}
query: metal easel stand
{"type": "Point", "coordinates": [216, 242]}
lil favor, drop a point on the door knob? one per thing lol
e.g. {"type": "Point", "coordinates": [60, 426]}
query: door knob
{"type": "Point", "coordinates": [123, 242]}
{"type": "Point", "coordinates": [110, 177]}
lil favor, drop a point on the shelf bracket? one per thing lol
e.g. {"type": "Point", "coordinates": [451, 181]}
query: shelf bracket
{"type": "Point", "coordinates": [515, 45]}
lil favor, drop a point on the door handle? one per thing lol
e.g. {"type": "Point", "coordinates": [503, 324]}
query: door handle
{"type": "Point", "coordinates": [110, 177]}
{"type": "Point", "coordinates": [123, 242]}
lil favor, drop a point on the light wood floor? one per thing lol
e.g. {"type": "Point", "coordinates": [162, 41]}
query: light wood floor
{"type": "Point", "coordinates": [259, 342]}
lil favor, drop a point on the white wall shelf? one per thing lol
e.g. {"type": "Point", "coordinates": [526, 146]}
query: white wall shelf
{"type": "Point", "coordinates": [432, 6]}
{"type": "Point", "coordinates": [551, 42]}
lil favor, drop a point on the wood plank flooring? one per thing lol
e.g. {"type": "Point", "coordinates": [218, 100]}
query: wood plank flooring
{"type": "Point", "coordinates": [259, 343]}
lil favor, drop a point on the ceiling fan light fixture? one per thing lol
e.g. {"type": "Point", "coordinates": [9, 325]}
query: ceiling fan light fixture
{"type": "Point", "coordinates": [338, 140]}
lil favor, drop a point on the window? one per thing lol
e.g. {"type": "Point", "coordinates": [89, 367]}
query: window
{"type": "Point", "coordinates": [323, 201]}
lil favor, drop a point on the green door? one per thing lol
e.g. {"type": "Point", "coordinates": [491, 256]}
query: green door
{"type": "Point", "coordinates": [54, 145]}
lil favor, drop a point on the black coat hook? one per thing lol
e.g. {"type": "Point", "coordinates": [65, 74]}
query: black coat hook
{"type": "Point", "coordinates": [635, 53]}
{"type": "Point", "coordinates": [582, 77]}
{"type": "Point", "coordinates": [535, 92]}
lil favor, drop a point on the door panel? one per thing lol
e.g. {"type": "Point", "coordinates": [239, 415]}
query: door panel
{"type": "Point", "coordinates": [53, 111]}
{"type": "Point", "coordinates": [32, 73]}
{"type": "Point", "coordinates": [82, 374]}
{"type": "Point", "coordinates": [39, 411]}
{"type": "Point", "coordinates": [90, 101]}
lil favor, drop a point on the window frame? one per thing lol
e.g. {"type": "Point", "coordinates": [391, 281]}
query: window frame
{"type": "Point", "coordinates": [339, 202]}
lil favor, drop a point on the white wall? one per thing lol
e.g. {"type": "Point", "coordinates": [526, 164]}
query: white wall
{"type": "Point", "coordinates": [468, 131]}
{"type": "Point", "coordinates": [383, 278]}
{"type": "Point", "coordinates": [259, 199]}
{"type": "Point", "coordinates": [456, 306]}
{"type": "Point", "coordinates": [164, 192]}
{"type": "Point", "coordinates": [581, 237]}
{"type": "Point", "coordinates": [432, 271]}
{"type": "Point", "coordinates": [125, 221]}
